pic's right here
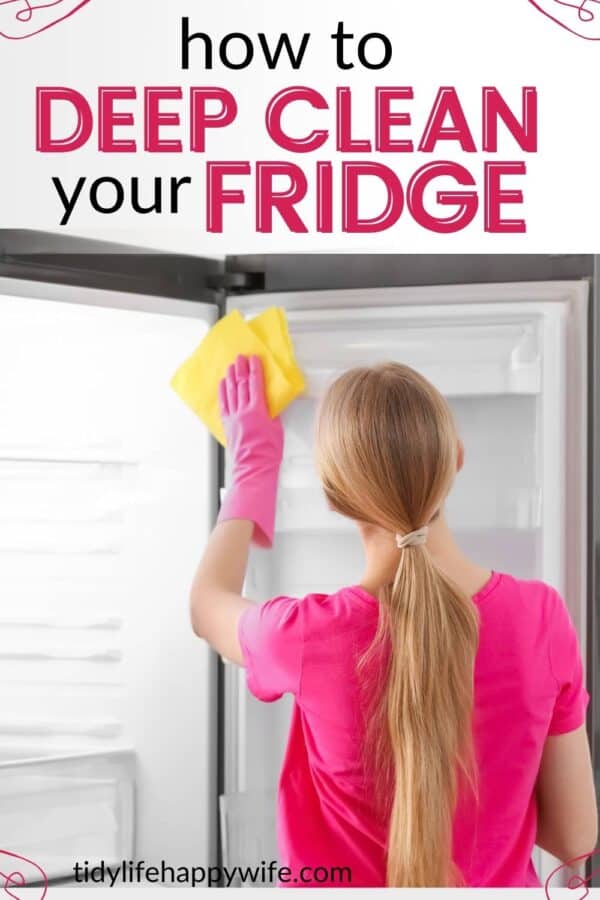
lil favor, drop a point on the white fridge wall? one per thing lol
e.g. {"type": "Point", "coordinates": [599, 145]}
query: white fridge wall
{"type": "Point", "coordinates": [511, 359]}
{"type": "Point", "coordinates": [495, 504]}
{"type": "Point", "coordinates": [107, 485]}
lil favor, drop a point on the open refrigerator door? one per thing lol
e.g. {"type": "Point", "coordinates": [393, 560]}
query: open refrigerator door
{"type": "Point", "coordinates": [108, 490]}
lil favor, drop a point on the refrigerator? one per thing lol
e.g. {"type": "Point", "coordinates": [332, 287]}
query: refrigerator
{"type": "Point", "coordinates": [123, 736]}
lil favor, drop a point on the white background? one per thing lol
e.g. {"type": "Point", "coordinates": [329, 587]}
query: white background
{"type": "Point", "coordinates": [465, 43]}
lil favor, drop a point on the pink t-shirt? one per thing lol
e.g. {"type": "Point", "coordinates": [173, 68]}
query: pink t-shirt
{"type": "Point", "coordinates": [528, 685]}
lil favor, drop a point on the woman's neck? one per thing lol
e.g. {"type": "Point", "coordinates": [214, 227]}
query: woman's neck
{"type": "Point", "coordinates": [382, 559]}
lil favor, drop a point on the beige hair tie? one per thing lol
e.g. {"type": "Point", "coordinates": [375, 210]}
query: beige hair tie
{"type": "Point", "coordinates": [413, 539]}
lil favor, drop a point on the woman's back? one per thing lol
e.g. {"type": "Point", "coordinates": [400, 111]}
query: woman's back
{"type": "Point", "coordinates": [528, 685]}
{"type": "Point", "coordinates": [426, 697]}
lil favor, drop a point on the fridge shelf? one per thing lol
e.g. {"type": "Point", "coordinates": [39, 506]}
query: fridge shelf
{"type": "Point", "coordinates": [466, 381]}
{"type": "Point", "coordinates": [313, 560]}
{"type": "Point", "coordinates": [462, 351]}
{"type": "Point", "coordinates": [302, 510]}
{"type": "Point", "coordinates": [63, 809]}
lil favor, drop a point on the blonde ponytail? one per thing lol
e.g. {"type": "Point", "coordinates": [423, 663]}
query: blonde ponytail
{"type": "Point", "coordinates": [427, 703]}
{"type": "Point", "coordinates": [387, 452]}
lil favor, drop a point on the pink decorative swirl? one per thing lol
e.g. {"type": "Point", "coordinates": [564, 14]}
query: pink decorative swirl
{"type": "Point", "coordinates": [584, 13]}
{"type": "Point", "coordinates": [575, 882]}
{"type": "Point", "coordinates": [25, 13]}
{"type": "Point", "coordinates": [16, 878]}
{"type": "Point", "coordinates": [581, 18]}
{"type": "Point", "coordinates": [25, 18]}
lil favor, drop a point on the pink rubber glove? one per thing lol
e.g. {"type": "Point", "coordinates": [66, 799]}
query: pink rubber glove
{"type": "Point", "coordinates": [255, 442]}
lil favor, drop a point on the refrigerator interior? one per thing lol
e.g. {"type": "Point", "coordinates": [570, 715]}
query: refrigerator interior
{"type": "Point", "coordinates": [504, 370]}
{"type": "Point", "coordinates": [107, 486]}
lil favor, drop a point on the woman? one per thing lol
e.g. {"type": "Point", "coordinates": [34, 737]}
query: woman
{"type": "Point", "coordinates": [438, 726]}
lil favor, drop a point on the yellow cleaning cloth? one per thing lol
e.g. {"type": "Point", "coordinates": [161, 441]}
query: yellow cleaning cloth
{"type": "Point", "coordinates": [266, 336]}
{"type": "Point", "coordinates": [271, 328]}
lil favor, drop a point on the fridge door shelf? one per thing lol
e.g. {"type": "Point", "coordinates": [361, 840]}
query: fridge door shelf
{"type": "Point", "coordinates": [64, 809]}
{"type": "Point", "coordinates": [248, 830]}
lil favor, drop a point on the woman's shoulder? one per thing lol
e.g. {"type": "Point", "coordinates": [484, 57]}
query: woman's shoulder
{"type": "Point", "coordinates": [524, 597]}
{"type": "Point", "coordinates": [346, 614]}
{"type": "Point", "coordinates": [350, 601]}
{"type": "Point", "coordinates": [525, 587]}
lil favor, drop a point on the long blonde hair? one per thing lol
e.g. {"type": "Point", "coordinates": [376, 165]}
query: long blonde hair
{"type": "Point", "coordinates": [387, 455]}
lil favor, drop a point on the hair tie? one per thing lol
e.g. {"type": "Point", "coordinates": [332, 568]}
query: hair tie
{"type": "Point", "coordinates": [413, 539]}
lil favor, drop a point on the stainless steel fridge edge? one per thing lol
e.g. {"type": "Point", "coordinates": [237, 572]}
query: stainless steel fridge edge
{"type": "Point", "coordinates": [593, 611]}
